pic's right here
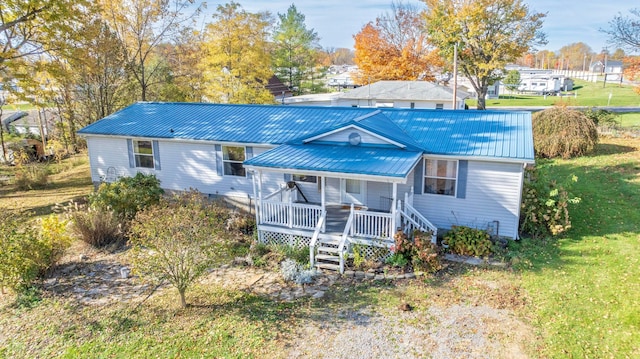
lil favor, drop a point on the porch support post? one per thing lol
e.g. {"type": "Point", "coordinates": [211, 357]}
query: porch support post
{"type": "Point", "coordinates": [255, 197]}
{"type": "Point", "coordinates": [323, 203]}
{"type": "Point", "coordinates": [290, 210]}
{"type": "Point", "coordinates": [394, 202]}
{"type": "Point", "coordinates": [259, 211]}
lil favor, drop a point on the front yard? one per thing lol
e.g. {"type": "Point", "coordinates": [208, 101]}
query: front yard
{"type": "Point", "coordinates": [572, 297]}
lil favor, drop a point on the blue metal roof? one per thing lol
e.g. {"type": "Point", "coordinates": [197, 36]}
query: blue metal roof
{"type": "Point", "coordinates": [503, 135]}
{"type": "Point", "coordinates": [373, 161]}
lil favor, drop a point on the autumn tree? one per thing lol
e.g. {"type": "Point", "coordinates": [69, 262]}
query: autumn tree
{"type": "Point", "coordinates": [141, 26]}
{"type": "Point", "coordinates": [576, 56]}
{"type": "Point", "coordinates": [395, 47]}
{"type": "Point", "coordinates": [339, 56]}
{"type": "Point", "coordinates": [236, 64]}
{"type": "Point", "coordinates": [624, 30]}
{"type": "Point", "coordinates": [489, 34]}
{"type": "Point", "coordinates": [632, 70]}
{"type": "Point", "coordinates": [179, 253]}
{"type": "Point", "coordinates": [294, 49]}
{"type": "Point", "coordinates": [33, 27]}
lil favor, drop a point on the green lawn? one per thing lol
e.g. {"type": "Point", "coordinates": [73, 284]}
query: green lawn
{"type": "Point", "coordinates": [630, 120]}
{"type": "Point", "coordinates": [584, 289]}
{"type": "Point", "coordinates": [584, 94]}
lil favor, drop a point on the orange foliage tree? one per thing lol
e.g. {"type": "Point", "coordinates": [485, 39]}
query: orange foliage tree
{"type": "Point", "coordinates": [632, 70]}
{"type": "Point", "coordinates": [395, 47]}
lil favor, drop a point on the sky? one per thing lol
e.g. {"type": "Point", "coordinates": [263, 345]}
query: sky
{"type": "Point", "coordinates": [336, 21]}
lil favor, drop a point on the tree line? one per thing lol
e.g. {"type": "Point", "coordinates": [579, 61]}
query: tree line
{"type": "Point", "coordinates": [88, 59]}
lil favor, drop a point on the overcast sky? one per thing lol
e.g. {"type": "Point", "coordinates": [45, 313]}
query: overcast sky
{"type": "Point", "coordinates": [336, 21]}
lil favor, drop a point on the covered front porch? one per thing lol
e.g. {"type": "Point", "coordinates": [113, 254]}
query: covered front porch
{"type": "Point", "coordinates": [330, 229]}
{"type": "Point", "coordinates": [335, 195]}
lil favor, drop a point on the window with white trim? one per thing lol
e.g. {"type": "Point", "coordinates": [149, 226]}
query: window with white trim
{"type": "Point", "coordinates": [232, 158]}
{"type": "Point", "coordinates": [440, 177]}
{"type": "Point", "coordinates": [143, 153]}
{"type": "Point", "coordinates": [439, 106]}
{"type": "Point", "coordinates": [305, 178]}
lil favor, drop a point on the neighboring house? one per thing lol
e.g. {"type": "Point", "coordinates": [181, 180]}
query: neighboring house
{"type": "Point", "coordinates": [608, 67]}
{"type": "Point", "coordinates": [278, 89]}
{"type": "Point", "coordinates": [401, 94]}
{"type": "Point", "coordinates": [28, 122]}
{"type": "Point", "coordinates": [328, 177]}
{"type": "Point", "coordinates": [493, 90]}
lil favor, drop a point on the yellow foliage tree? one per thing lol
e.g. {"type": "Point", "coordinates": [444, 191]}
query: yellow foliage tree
{"type": "Point", "coordinates": [236, 64]}
{"type": "Point", "coordinates": [489, 34]}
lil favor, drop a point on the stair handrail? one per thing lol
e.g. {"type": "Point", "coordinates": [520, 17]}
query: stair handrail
{"type": "Point", "coordinates": [411, 213]}
{"type": "Point", "coordinates": [314, 238]}
{"type": "Point", "coordinates": [348, 229]}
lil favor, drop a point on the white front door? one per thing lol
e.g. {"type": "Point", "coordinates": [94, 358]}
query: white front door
{"type": "Point", "coordinates": [353, 191]}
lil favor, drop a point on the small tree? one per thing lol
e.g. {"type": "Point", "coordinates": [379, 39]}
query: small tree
{"type": "Point", "coordinates": [178, 240]}
{"type": "Point", "coordinates": [512, 80]}
{"type": "Point", "coordinates": [563, 132]}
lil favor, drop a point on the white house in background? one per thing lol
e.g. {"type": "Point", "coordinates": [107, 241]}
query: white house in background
{"type": "Point", "coordinates": [610, 67]}
{"type": "Point", "coordinates": [400, 94]}
{"type": "Point", "coordinates": [328, 177]}
{"type": "Point", "coordinates": [492, 92]}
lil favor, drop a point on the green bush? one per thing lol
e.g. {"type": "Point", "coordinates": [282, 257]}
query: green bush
{"type": "Point", "coordinates": [603, 118]}
{"type": "Point", "coordinates": [468, 241]}
{"type": "Point", "coordinates": [563, 132]}
{"type": "Point", "coordinates": [545, 204]}
{"type": "Point", "coordinates": [128, 195]}
{"type": "Point", "coordinates": [99, 227]}
{"type": "Point", "coordinates": [28, 252]}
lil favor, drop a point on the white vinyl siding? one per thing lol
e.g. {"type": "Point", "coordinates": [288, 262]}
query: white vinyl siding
{"type": "Point", "coordinates": [492, 194]}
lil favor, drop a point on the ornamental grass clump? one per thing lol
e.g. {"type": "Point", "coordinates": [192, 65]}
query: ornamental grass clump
{"type": "Point", "coordinates": [563, 132]}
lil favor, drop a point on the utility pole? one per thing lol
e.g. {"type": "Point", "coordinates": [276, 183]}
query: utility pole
{"type": "Point", "coordinates": [455, 76]}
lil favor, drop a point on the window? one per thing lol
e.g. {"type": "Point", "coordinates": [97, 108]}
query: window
{"type": "Point", "coordinates": [304, 178]}
{"type": "Point", "coordinates": [143, 152]}
{"type": "Point", "coordinates": [413, 105]}
{"type": "Point", "coordinates": [232, 158]}
{"type": "Point", "coordinates": [439, 106]}
{"type": "Point", "coordinates": [440, 177]}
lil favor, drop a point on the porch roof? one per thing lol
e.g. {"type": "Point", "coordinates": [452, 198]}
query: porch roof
{"type": "Point", "coordinates": [394, 164]}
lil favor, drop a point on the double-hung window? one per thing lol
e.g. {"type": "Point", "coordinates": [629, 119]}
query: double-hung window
{"type": "Point", "coordinates": [440, 177]}
{"type": "Point", "coordinates": [232, 158]}
{"type": "Point", "coordinates": [143, 153]}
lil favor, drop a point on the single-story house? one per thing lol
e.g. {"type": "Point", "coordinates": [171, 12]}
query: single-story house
{"type": "Point", "coordinates": [328, 177]}
{"type": "Point", "coordinates": [403, 94]}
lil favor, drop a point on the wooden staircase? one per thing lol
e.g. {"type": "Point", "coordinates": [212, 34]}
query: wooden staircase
{"type": "Point", "coordinates": [327, 256]}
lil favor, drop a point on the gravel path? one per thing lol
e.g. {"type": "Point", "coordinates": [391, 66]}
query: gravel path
{"type": "Point", "coordinates": [454, 332]}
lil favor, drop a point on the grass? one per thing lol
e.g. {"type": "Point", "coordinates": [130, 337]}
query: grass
{"type": "Point", "coordinates": [630, 120]}
{"type": "Point", "coordinates": [585, 288]}
{"type": "Point", "coordinates": [69, 179]}
{"type": "Point", "coordinates": [584, 94]}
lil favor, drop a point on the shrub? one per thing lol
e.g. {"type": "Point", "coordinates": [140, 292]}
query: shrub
{"type": "Point", "coordinates": [241, 222]}
{"type": "Point", "coordinates": [468, 241]}
{"type": "Point", "coordinates": [563, 132]}
{"type": "Point", "coordinates": [427, 256]}
{"type": "Point", "coordinates": [545, 204]}
{"type": "Point", "coordinates": [128, 195]}
{"type": "Point", "coordinates": [602, 117]}
{"type": "Point", "coordinates": [28, 252]}
{"type": "Point", "coordinates": [292, 271]}
{"type": "Point", "coordinates": [31, 176]}
{"type": "Point", "coordinates": [97, 227]}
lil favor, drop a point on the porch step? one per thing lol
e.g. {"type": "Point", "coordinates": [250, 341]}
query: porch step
{"type": "Point", "coordinates": [328, 266]}
{"type": "Point", "coordinates": [328, 249]}
{"type": "Point", "coordinates": [327, 257]}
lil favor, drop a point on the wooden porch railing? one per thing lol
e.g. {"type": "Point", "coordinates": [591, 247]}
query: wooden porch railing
{"type": "Point", "coordinates": [314, 238]}
{"type": "Point", "coordinates": [292, 215]}
{"type": "Point", "coordinates": [372, 225]}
